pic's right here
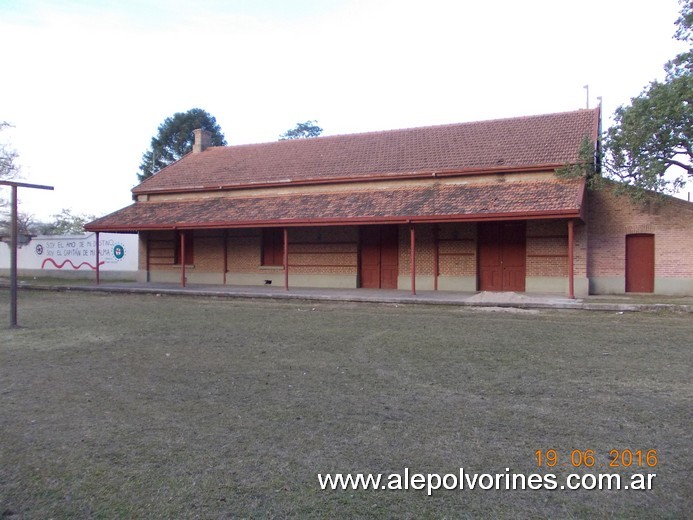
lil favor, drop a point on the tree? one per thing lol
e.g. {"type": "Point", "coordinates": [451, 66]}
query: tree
{"type": "Point", "coordinates": [8, 170]}
{"type": "Point", "coordinates": [302, 131]}
{"type": "Point", "coordinates": [683, 63]}
{"type": "Point", "coordinates": [64, 223]}
{"type": "Point", "coordinates": [650, 144]}
{"type": "Point", "coordinates": [175, 139]}
{"type": "Point", "coordinates": [8, 157]}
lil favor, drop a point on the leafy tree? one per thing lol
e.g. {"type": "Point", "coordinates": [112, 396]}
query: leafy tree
{"type": "Point", "coordinates": [588, 165]}
{"type": "Point", "coordinates": [8, 170]}
{"type": "Point", "coordinates": [175, 139]}
{"type": "Point", "coordinates": [683, 63]}
{"type": "Point", "coordinates": [653, 135]}
{"type": "Point", "coordinates": [302, 131]}
{"type": "Point", "coordinates": [8, 156]}
{"type": "Point", "coordinates": [64, 223]}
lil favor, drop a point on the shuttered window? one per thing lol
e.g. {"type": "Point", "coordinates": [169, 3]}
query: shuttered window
{"type": "Point", "coordinates": [272, 247]}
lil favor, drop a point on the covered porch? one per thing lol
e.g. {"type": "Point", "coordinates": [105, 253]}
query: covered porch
{"type": "Point", "coordinates": [503, 237]}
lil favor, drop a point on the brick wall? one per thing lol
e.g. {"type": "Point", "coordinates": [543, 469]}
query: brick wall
{"type": "Point", "coordinates": [612, 217]}
{"type": "Point", "coordinates": [334, 250]}
{"type": "Point", "coordinates": [547, 248]}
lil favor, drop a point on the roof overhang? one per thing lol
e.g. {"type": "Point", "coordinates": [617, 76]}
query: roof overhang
{"type": "Point", "coordinates": [540, 199]}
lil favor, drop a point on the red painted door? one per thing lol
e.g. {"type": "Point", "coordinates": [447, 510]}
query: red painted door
{"type": "Point", "coordinates": [513, 256]}
{"type": "Point", "coordinates": [370, 257]}
{"type": "Point", "coordinates": [490, 260]}
{"type": "Point", "coordinates": [379, 257]}
{"type": "Point", "coordinates": [502, 253]}
{"type": "Point", "coordinates": [389, 257]}
{"type": "Point", "coordinates": [640, 263]}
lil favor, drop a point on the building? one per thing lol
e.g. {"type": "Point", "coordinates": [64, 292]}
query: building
{"type": "Point", "coordinates": [465, 207]}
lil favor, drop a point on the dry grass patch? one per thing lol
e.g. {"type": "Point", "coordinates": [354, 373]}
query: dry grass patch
{"type": "Point", "coordinates": [137, 406]}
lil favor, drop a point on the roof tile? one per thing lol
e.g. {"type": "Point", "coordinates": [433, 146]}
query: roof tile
{"type": "Point", "coordinates": [542, 140]}
{"type": "Point", "coordinates": [418, 204]}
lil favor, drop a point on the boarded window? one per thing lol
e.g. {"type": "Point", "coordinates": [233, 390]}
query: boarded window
{"type": "Point", "coordinates": [272, 247]}
{"type": "Point", "coordinates": [189, 249]}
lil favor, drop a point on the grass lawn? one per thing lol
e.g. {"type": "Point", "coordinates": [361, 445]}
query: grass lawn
{"type": "Point", "coordinates": [138, 406]}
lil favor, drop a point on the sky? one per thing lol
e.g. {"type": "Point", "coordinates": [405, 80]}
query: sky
{"type": "Point", "coordinates": [86, 83]}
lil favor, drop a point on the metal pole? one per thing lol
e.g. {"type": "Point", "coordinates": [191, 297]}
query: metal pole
{"type": "Point", "coordinates": [14, 235]}
{"type": "Point", "coordinates": [587, 89]}
{"type": "Point", "coordinates": [13, 259]}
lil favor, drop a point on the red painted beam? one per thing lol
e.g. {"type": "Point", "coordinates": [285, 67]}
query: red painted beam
{"type": "Point", "coordinates": [182, 259]}
{"type": "Point", "coordinates": [226, 254]}
{"type": "Point", "coordinates": [98, 268]}
{"type": "Point", "coordinates": [412, 240]}
{"type": "Point", "coordinates": [286, 259]}
{"type": "Point", "coordinates": [436, 256]}
{"type": "Point", "coordinates": [571, 251]}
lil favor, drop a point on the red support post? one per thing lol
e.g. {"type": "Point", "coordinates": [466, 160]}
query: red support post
{"type": "Point", "coordinates": [98, 267]}
{"type": "Point", "coordinates": [286, 259]}
{"type": "Point", "coordinates": [571, 251]}
{"type": "Point", "coordinates": [412, 240]}
{"type": "Point", "coordinates": [146, 241]}
{"type": "Point", "coordinates": [436, 257]}
{"type": "Point", "coordinates": [226, 254]}
{"type": "Point", "coordinates": [182, 259]}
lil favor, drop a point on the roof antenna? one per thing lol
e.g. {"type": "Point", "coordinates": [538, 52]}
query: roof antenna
{"type": "Point", "coordinates": [587, 88]}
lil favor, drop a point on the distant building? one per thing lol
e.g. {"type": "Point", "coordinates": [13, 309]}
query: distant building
{"type": "Point", "coordinates": [463, 207]}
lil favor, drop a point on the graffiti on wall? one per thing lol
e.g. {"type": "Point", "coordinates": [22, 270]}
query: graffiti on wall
{"type": "Point", "coordinates": [117, 252]}
{"type": "Point", "coordinates": [74, 253]}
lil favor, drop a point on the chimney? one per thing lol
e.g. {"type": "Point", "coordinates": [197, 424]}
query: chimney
{"type": "Point", "coordinates": [203, 140]}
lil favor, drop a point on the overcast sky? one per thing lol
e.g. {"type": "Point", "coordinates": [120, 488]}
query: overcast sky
{"type": "Point", "coordinates": [86, 83]}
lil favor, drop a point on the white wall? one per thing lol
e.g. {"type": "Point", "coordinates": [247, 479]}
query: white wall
{"type": "Point", "coordinates": [74, 255]}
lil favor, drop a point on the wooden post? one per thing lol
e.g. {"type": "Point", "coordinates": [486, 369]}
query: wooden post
{"type": "Point", "coordinates": [286, 259]}
{"type": "Point", "coordinates": [571, 251]}
{"type": "Point", "coordinates": [98, 270]}
{"type": "Point", "coordinates": [412, 240]}
{"type": "Point", "coordinates": [182, 258]}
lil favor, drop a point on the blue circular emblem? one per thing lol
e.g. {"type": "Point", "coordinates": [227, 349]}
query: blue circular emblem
{"type": "Point", "coordinates": [118, 251]}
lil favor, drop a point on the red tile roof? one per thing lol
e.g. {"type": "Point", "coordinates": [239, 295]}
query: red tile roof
{"type": "Point", "coordinates": [500, 145]}
{"type": "Point", "coordinates": [508, 200]}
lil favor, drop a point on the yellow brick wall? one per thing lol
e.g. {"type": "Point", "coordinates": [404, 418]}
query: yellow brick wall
{"type": "Point", "coordinates": [334, 250]}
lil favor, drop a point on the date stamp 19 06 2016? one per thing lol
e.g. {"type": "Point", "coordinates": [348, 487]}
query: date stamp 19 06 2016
{"type": "Point", "coordinates": [616, 458]}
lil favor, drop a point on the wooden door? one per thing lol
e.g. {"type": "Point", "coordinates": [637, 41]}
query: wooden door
{"type": "Point", "coordinates": [640, 263]}
{"type": "Point", "coordinates": [389, 257]}
{"type": "Point", "coordinates": [513, 252]}
{"type": "Point", "coordinates": [502, 253]}
{"type": "Point", "coordinates": [379, 257]}
{"type": "Point", "coordinates": [490, 258]}
{"type": "Point", "coordinates": [370, 257]}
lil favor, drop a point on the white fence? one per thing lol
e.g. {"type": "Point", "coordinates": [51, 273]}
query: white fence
{"type": "Point", "coordinates": [74, 256]}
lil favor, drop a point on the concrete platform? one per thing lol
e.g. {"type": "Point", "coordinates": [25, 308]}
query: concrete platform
{"type": "Point", "coordinates": [617, 303]}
